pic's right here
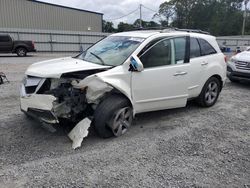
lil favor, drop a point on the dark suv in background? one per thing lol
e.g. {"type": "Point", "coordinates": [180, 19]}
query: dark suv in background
{"type": "Point", "coordinates": [8, 45]}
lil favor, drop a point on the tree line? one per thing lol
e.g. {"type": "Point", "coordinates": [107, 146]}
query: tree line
{"type": "Point", "coordinates": [219, 17]}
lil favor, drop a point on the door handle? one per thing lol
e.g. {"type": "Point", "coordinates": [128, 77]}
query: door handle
{"type": "Point", "coordinates": [204, 63]}
{"type": "Point", "coordinates": [180, 73]}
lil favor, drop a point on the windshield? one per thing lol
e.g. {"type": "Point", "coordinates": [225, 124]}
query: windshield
{"type": "Point", "coordinates": [113, 50]}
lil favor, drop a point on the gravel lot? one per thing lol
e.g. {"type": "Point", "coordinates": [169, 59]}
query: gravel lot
{"type": "Point", "coordinates": [187, 147]}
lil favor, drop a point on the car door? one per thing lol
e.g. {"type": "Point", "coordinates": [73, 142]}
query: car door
{"type": "Point", "coordinates": [163, 83]}
{"type": "Point", "coordinates": [201, 53]}
{"type": "Point", "coordinates": [5, 43]}
{"type": "Point", "coordinates": [196, 63]}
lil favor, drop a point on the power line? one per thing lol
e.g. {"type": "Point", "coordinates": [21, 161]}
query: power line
{"type": "Point", "coordinates": [123, 15]}
{"type": "Point", "coordinates": [150, 9]}
{"type": "Point", "coordinates": [141, 5]}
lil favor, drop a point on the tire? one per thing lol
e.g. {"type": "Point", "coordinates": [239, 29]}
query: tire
{"type": "Point", "coordinates": [210, 92]}
{"type": "Point", "coordinates": [113, 116]}
{"type": "Point", "coordinates": [21, 52]}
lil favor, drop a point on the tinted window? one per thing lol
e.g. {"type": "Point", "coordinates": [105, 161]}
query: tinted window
{"type": "Point", "coordinates": [206, 48]}
{"type": "Point", "coordinates": [195, 50]}
{"type": "Point", "coordinates": [180, 49]}
{"type": "Point", "coordinates": [158, 55]}
{"type": "Point", "coordinates": [4, 39]}
{"type": "Point", "coordinates": [150, 44]}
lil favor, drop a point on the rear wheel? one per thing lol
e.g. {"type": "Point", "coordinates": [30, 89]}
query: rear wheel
{"type": "Point", "coordinates": [210, 92]}
{"type": "Point", "coordinates": [21, 52]}
{"type": "Point", "coordinates": [113, 116]}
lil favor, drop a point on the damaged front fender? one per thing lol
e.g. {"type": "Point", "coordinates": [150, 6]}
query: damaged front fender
{"type": "Point", "coordinates": [95, 88]}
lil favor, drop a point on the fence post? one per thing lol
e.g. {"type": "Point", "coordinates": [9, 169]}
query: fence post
{"type": "Point", "coordinates": [79, 40]}
{"type": "Point", "coordinates": [51, 45]}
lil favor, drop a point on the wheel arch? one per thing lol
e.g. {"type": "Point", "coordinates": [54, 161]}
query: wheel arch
{"type": "Point", "coordinates": [119, 93]}
{"type": "Point", "coordinates": [21, 46]}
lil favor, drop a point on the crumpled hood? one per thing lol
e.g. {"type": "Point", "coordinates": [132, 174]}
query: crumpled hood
{"type": "Point", "coordinates": [243, 56]}
{"type": "Point", "coordinates": [56, 67]}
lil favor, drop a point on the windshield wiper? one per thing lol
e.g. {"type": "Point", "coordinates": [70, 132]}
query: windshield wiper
{"type": "Point", "coordinates": [97, 57]}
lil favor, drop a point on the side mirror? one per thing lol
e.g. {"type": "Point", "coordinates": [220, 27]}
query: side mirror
{"type": "Point", "coordinates": [135, 64]}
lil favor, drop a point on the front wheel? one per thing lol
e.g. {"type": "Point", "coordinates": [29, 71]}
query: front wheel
{"type": "Point", "coordinates": [113, 116]}
{"type": "Point", "coordinates": [21, 52]}
{"type": "Point", "coordinates": [210, 92]}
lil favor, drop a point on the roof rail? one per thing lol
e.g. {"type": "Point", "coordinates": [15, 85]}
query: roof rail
{"type": "Point", "coordinates": [147, 28]}
{"type": "Point", "coordinates": [193, 31]}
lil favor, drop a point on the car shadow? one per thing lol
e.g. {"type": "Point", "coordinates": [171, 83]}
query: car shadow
{"type": "Point", "coordinates": [16, 56]}
{"type": "Point", "coordinates": [241, 84]}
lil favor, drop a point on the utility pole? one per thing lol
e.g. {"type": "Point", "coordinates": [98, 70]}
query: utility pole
{"type": "Point", "coordinates": [244, 17]}
{"type": "Point", "coordinates": [140, 16]}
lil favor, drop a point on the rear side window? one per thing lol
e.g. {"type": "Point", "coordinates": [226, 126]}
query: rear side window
{"type": "Point", "coordinates": [195, 50]}
{"type": "Point", "coordinates": [206, 48]}
{"type": "Point", "coordinates": [4, 39]}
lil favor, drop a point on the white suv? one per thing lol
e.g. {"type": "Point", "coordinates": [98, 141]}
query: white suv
{"type": "Point", "coordinates": [123, 75]}
{"type": "Point", "coordinates": [238, 67]}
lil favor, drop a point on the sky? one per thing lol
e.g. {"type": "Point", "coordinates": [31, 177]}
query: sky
{"type": "Point", "coordinates": [113, 9]}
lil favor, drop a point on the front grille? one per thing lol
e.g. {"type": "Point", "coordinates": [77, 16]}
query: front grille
{"type": "Point", "coordinates": [45, 87]}
{"type": "Point", "coordinates": [30, 89]}
{"type": "Point", "coordinates": [242, 65]}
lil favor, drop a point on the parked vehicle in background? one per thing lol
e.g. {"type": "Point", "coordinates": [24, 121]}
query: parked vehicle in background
{"type": "Point", "coordinates": [223, 48]}
{"type": "Point", "coordinates": [123, 75]}
{"type": "Point", "coordinates": [8, 45]}
{"type": "Point", "coordinates": [238, 67]}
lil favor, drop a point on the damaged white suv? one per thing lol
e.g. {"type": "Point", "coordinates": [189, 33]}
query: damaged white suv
{"type": "Point", "coordinates": [123, 75]}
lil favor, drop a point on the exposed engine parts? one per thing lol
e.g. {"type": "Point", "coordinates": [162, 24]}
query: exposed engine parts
{"type": "Point", "coordinates": [70, 103]}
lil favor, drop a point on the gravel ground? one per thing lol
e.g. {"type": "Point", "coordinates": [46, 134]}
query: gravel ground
{"type": "Point", "coordinates": [187, 147]}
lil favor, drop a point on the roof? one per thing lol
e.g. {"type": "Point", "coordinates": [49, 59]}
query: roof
{"type": "Point", "coordinates": [148, 33]}
{"type": "Point", "coordinates": [61, 6]}
{"type": "Point", "coordinates": [138, 33]}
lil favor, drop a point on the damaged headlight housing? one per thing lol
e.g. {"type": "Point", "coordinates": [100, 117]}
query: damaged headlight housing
{"type": "Point", "coordinates": [24, 80]}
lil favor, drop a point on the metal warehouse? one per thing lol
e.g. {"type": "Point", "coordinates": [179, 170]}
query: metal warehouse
{"type": "Point", "coordinates": [33, 14]}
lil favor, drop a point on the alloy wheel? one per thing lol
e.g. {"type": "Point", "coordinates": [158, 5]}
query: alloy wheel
{"type": "Point", "coordinates": [122, 121]}
{"type": "Point", "coordinates": [211, 92]}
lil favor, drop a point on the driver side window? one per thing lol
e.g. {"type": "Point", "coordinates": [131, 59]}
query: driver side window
{"type": "Point", "coordinates": [165, 52]}
{"type": "Point", "coordinates": [158, 55]}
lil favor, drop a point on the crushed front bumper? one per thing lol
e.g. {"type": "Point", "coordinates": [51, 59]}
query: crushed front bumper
{"type": "Point", "coordinates": [39, 107]}
{"type": "Point", "coordinates": [43, 117]}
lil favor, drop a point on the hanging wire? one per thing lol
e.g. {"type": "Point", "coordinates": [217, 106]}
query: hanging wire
{"type": "Point", "coordinates": [123, 15]}
{"type": "Point", "coordinates": [150, 9]}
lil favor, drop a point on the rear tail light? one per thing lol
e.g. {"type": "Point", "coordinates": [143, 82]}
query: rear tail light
{"type": "Point", "coordinates": [33, 44]}
{"type": "Point", "coordinates": [225, 58]}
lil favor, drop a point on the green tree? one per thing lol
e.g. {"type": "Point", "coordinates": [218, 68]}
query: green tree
{"type": "Point", "coordinates": [145, 24]}
{"type": "Point", "coordinates": [124, 27]}
{"type": "Point", "coordinates": [220, 17]}
{"type": "Point", "coordinates": [108, 27]}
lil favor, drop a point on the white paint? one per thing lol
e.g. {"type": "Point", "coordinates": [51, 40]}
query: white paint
{"type": "Point", "coordinates": [79, 132]}
{"type": "Point", "coordinates": [96, 88]}
{"type": "Point", "coordinates": [42, 102]}
{"type": "Point", "coordinates": [56, 67]}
